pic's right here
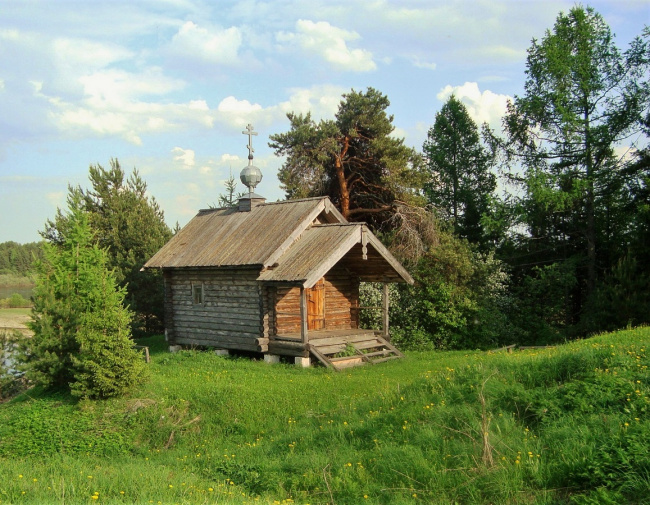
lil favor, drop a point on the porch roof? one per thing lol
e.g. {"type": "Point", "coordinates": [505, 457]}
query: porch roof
{"type": "Point", "coordinates": [320, 247]}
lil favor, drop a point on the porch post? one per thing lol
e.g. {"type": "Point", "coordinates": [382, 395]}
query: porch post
{"type": "Point", "coordinates": [385, 303]}
{"type": "Point", "coordinates": [303, 315]}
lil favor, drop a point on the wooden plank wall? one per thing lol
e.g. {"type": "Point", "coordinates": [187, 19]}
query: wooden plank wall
{"type": "Point", "coordinates": [231, 315]}
{"type": "Point", "coordinates": [341, 293]}
{"type": "Point", "coordinates": [168, 307]}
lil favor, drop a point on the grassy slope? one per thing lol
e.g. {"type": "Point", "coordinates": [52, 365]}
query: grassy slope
{"type": "Point", "coordinates": [569, 424]}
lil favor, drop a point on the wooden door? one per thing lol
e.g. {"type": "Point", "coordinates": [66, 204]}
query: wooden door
{"type": "Point", "coordinates": [316, 306]}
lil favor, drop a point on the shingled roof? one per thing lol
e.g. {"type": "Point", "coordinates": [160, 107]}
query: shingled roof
{"type": "Point", "coordinates": [293, 240]}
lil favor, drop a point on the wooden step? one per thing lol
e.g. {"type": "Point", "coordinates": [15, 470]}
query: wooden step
{"type": "Point", "coordinates": [388, 358]}
{"type": "Point", "coordinates": [377, 353]}
{"type": "Point", "coordinates": [325, 350]}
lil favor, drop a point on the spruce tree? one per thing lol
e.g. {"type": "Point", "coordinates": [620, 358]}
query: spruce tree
{"type": "Point", "coordinates": [81, 328]}
{"type": "Point", "coordinates": [461, 183]}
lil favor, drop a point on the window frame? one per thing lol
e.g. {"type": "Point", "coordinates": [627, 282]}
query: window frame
{"type": "Point", "coordinates": [198, 287]}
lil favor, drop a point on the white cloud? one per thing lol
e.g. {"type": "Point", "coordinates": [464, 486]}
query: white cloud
{"type": "Point", "coordinates": [2, 84]}
{"type": "Point", "coordinates": [80, 55]}
{"type": "Point", "coordinates": [330, 43]}
{"type": "Point", "coordinates": [420, 63]}
{"type": "Point", "coordinates": [483, 107]}
{"type": "Point", "coordinates": [231, 104]}
{"type": "Point", "coordinates": [184, 157]}
{"type": "Point", "coordinates": [114, 104]}
{"type": "Point", "coordinates": [322, 101]}
{"type": "Point", "coordinates": [625, 153]}
{"type": "Point", "coordinates": [227, 158]}
{"type": "Point", "coordinates": [214, 46]}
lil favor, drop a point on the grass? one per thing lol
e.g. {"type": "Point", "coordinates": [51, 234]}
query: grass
{"type": "Point", "coordinates": [563, 425]}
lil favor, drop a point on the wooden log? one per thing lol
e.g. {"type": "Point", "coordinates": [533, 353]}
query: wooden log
{"type": "Point", "coordinates": [303, 316]}
{"type": "Point", "coordinates": [384, 311]}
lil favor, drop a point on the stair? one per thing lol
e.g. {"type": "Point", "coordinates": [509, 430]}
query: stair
{"type": "Point", "coordinates": [353, 351]}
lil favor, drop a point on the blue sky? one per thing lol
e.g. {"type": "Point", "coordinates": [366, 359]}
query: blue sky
{"type": "Point", "coordinates": [168, 86]}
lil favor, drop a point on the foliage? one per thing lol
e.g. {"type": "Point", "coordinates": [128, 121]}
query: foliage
{"type": "Point", "coordinates": [622, 298]}
{"type": "Point", "coordinates": [582, 98]}
{"type": "Point", "coordinates": [130, 226]}
{"type": "Point", "coordinates": [459, 300]}
{"type": "Point", "coordinates": [81, 328]}
{"type": "Point", "coordinates": [231, 196]}
{"type": "Point", "coordinates": [18, 258]}
{"type": "Point", "coordinates": [563, 425]}
{"type": "Point", "coordinates": [15, 301]}
{"type": "Point", "coordinates": [461, 183]}
{"type": "Point", "coordinates": [353, 159]}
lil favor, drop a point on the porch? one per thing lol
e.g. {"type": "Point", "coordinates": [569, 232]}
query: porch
{"type": "Point", "coordinates": [337, 348]}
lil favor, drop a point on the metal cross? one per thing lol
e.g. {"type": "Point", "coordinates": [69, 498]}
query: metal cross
{"type": "Point", "coordinates": [249, 131]}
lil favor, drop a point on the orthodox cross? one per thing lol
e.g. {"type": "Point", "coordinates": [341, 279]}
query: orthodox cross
{"type": "Point", "coordinates": [249, 131]}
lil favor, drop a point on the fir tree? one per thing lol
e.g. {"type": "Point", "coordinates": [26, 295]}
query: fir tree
{"type": "Point", "coordinates": [81, 328]}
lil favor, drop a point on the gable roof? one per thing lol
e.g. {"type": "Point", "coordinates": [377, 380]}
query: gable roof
{"type": "Point", "coordinates": [291, 241]}
{"type": "Point", "coordinates": [320, 247]}
{"type": "Point", "coordinates": [227, 237]}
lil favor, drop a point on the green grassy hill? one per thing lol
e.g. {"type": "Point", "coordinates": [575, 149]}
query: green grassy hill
{"type": "Point", "coordinates": [563, 425]}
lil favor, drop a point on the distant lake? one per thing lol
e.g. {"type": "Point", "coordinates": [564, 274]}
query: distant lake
{"type": "Point", "coordinates": [7, 291]}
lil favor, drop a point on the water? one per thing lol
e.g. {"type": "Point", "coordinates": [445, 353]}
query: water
{"type": "Point", "coordinates": [24, 291]}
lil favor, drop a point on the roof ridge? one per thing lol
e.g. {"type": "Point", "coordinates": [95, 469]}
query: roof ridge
{"type": "Point", "coordinates": [296, 200]}
{"type": "Point", "coordinates": [338, 224]}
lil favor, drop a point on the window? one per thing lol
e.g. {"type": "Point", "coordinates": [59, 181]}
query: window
{"type": "Point", "coordinates": [197, 293]}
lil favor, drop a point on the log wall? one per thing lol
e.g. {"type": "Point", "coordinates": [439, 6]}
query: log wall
{"type": "Point", "coordinates": [230, 316]}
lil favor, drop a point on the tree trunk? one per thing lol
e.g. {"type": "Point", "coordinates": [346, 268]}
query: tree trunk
{"type": "Point", "coordinates": [340, 175]}
{"type": "Point", "coordinates": [591, 220]}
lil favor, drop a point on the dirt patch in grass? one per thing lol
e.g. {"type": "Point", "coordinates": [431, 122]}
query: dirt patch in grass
{"type": "Point", "coordinates": [14, 319]}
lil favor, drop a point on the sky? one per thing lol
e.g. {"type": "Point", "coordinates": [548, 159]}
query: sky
{"type": "Point", "coordinates": [168, 86]}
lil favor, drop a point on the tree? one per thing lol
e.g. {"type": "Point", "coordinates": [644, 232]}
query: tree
{"type": "Point", "coordinates": [582, 98]}
{"type": "Point", "coordinates": [353, 159]}
{"type": "Point", "coordinates": [131, 227]}
{"type": "Point", "coordinates": [81, 328]}
{"type": "Point", "coordinates": [459, 165]}
{"type": "Point", "coordinates": [230, 197]}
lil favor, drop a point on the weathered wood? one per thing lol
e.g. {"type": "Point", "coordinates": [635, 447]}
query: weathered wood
{"type": "Point", "coordinates": [277, 347]}
{"type": "Point", "coordinates": [304, 335]}
{"type": "Point", "coordinates": [239, 346]}
{"type": "Point", "coordinates": [384, 312]}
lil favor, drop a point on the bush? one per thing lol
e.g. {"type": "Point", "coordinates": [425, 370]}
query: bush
{"type": "Point", "coordinates": [459, 301]}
